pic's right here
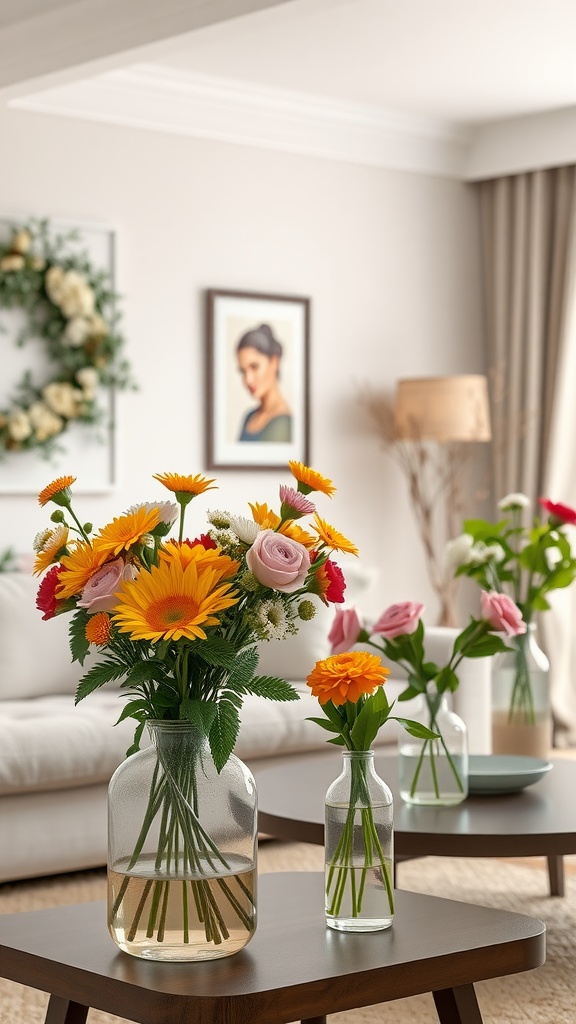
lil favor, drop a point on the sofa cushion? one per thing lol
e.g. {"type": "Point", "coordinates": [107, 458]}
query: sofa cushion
{"type": "Point", "coordinates": [36, 656]}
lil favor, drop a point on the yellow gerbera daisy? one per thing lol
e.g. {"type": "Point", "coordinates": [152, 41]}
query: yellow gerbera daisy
{"type": "Point", "coordinates": [332, 537]}
{"type": "Point", "coordinates": [190, 485]}
{"type": "Point", "coordinates": [80, 564]}
{"type": "Point", "coordinates": [309, 480]}
{"type": "Point", "coordinates": [53, 547]}
{"type": "Point", "coordinates": [346, 677]}
{"type": "Point", "coordinates": [57, 491]}
{"type": "Point", "coordinates": [127, 530]}
{"type": "Point", "coordinates": [264, 516]}
{"type": "Point", "coordinates": [212, 558]}
{"type": "Point", "coordinates": [171, 602]}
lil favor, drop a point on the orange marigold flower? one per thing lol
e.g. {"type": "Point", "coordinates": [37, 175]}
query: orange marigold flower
{"type": "Point", "coordinates": [53, 547]}
{"type": "Point", "coordinates": [190, 485]}
{"type": "Point", "coordinates": [332, 537]}
{"type": "Point", "coordinates": [80, 564]}
{"type": "Point", "coordinates": [309, 480]}
{"type": "Point", "coordinates": [98, 629]}
{"type": "Point", "coordinates": [127, 530]}
{"type": "Point", "coordinates": [57, 491]}
{"type": "Point", "coordinates": [345, 677]}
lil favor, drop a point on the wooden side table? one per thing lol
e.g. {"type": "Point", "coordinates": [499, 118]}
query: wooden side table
{"type": "Point", "coordinates": [294, 968]}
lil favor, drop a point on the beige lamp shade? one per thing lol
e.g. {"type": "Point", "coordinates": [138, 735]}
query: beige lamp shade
{"type": "Point", "coordinates": [443, 409]}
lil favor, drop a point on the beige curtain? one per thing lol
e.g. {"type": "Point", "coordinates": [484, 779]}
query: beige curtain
{"type": "Point", "coordinates": [529, 263]}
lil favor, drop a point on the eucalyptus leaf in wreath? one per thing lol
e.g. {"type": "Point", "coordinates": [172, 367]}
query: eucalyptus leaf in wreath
{"type": "Point", "coordinates": [71, 306]}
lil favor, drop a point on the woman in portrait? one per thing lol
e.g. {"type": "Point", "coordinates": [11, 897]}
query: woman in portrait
{"type": "Point", "coordinates": [259, 353]}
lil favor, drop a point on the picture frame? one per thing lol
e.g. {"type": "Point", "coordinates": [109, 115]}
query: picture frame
{"type": "Point", "coordinates": [257, 377]}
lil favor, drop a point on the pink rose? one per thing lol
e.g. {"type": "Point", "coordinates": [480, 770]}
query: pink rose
{"type": "Point", "coordinates": [278, 562]}
{"type": "Point", "coordinates": [398, 619]}
{"type": "Point", "coordinates": [556, 510]}
{"type": "Point", "coordinates": [345, 630]}
{"type": "Point", "coordinates": [502, 613]}
{"type": "Point", "coordinates": [99, 594]}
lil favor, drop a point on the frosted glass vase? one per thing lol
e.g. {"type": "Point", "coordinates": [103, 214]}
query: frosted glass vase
{"type": "Point", "coordinates": [434, 771]}
{"type": "Point", "coordinates": [181, 850]}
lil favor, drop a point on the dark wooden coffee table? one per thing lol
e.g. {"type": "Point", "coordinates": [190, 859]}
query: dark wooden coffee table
{"type": "Point", "coordinates": [539, 821]}
{"type": "Point", "coordinates": [294, 968]}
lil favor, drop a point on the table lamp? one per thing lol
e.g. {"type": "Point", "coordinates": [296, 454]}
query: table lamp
{"type": "Point", "coordinates": [433, 422]}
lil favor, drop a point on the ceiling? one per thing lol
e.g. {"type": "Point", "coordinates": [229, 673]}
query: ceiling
{"type": "Point", "coordinates": [443, 68]}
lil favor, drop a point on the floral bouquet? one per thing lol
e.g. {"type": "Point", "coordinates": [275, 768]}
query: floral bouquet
{"type": "Point", "coordinates": [524, 562]}
{"type": "Point", "coordinates": [349, 689]}
{"type": "Point", "coordinates": [176, 621]}
{"type": "Point", "coordinates": [399, 635]}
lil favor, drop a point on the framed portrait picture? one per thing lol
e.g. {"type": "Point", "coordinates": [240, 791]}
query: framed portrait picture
{"type": "Point", "coordinates": [257, 379]}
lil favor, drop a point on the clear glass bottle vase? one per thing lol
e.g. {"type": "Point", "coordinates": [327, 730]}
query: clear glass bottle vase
{"type": "Point", "coordinates": [182, 841]}
{"type": "Point", "coordinates": [434, 772]}
{"type": "Point", "coordinates": [521, 712]}
{"type": "Point", "coordinates": [358, 842]}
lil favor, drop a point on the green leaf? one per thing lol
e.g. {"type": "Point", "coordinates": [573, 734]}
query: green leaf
{"type": "Point", "coordinates": [217, 651]}
{"type": "Point", "coordinates": [446, 680]}
{"type": "Point", "coordinates": [200, 712]}
{"type": "Point", "coordinates": [373, 713]}
{"type": "Point", "coordinates": [338, 741]}
{"type": "Point", "coordinates": [336, 715]}
{"type": "Point", "coordinates": [79, 645]}
{"type": "Point", "coordinates": [410, 693]}
{"type": "Point", "coordinates": [135, 709]}
{"type": "Point", "coordinates": [97, 676]}
{"type": "Point", "coordinates": [144, 672]}
{"type": "Point", "coordinates": [135, 746]}
{"type": "Point", "coordinates": [324, 724]}
{"type": "Point", "coordinates": [224, 732]}
{"type": "Point", "coordinates": [416, 729]}
{"type": "Point", "coordinates": [486, 645]}
{"type": "Point", "coordinates": [272, 688]}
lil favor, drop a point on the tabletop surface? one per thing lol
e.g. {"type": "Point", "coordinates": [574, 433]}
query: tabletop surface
{"type": "Point", "coordinates": [540, 819]}
{"type": "Point", "coordinates": [293, 968]}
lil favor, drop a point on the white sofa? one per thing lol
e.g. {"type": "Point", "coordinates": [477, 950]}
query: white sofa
{"type": "Point", "coordinates": [56, 758]}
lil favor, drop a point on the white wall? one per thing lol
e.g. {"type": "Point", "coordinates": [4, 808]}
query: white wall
{"type": "Point", "coordinates": [389, 259]}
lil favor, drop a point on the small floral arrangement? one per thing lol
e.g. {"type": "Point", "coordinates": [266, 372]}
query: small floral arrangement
{"type": "Point", "coordinates": [526, 562]}
{"type": "Point", "coordinates": [399, 635]}
{"type": "Point", "coordinates": [349, 688]}
{"type": "Point", "coordinates": [176, 621]}
{"type": "Point", "coordinates": [70, 305]}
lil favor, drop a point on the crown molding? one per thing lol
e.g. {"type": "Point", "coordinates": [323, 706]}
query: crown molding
{"type": "Point", "coordinates": [162, 99]}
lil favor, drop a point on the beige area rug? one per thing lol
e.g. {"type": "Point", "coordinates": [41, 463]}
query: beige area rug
{"type": "Point", "coordinates": [544, 996]}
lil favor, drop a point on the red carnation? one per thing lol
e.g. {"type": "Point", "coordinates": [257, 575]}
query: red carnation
{"type": "Point", "coordinates": [204, 540]}
{"type": "Point", "coordinates": [559, 513]}
{"type": "Point", "coordinates": [46, 598]}
{"type": "Point", "coordinates": [336, 582]}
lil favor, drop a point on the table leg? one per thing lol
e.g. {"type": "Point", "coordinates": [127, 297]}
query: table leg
{"type": "Point", "coordinates": [314, 1020]}
{"type": "Point", "coordinates": [556, 875]}
{"type": "Point", "coordinates": [64, 1011]}
{"type": "Point", "coordinates": [457, 1005]}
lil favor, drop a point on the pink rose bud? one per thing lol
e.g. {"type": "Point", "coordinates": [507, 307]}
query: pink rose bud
{"type": "Point", "coordinates": [398, 619]}
{"type": "Point", "coordinates": [345, 630]}
{"type": "Point", "coordinates": [278, 562]}
{"type": "Point", "coordinates": [501, 612]}
{"type": "Point", "coordinates": [99, 594]}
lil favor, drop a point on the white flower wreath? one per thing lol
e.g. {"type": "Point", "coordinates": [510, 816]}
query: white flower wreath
{"type": "Point", "coordinates": [71, 306]}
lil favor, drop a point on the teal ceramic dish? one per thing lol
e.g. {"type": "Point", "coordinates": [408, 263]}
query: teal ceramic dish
{"type": "Point", "coordinates": [489, 774]}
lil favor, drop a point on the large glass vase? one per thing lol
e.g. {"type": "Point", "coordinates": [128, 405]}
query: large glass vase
{"type": "Point", "coordinates": [182, 842]}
